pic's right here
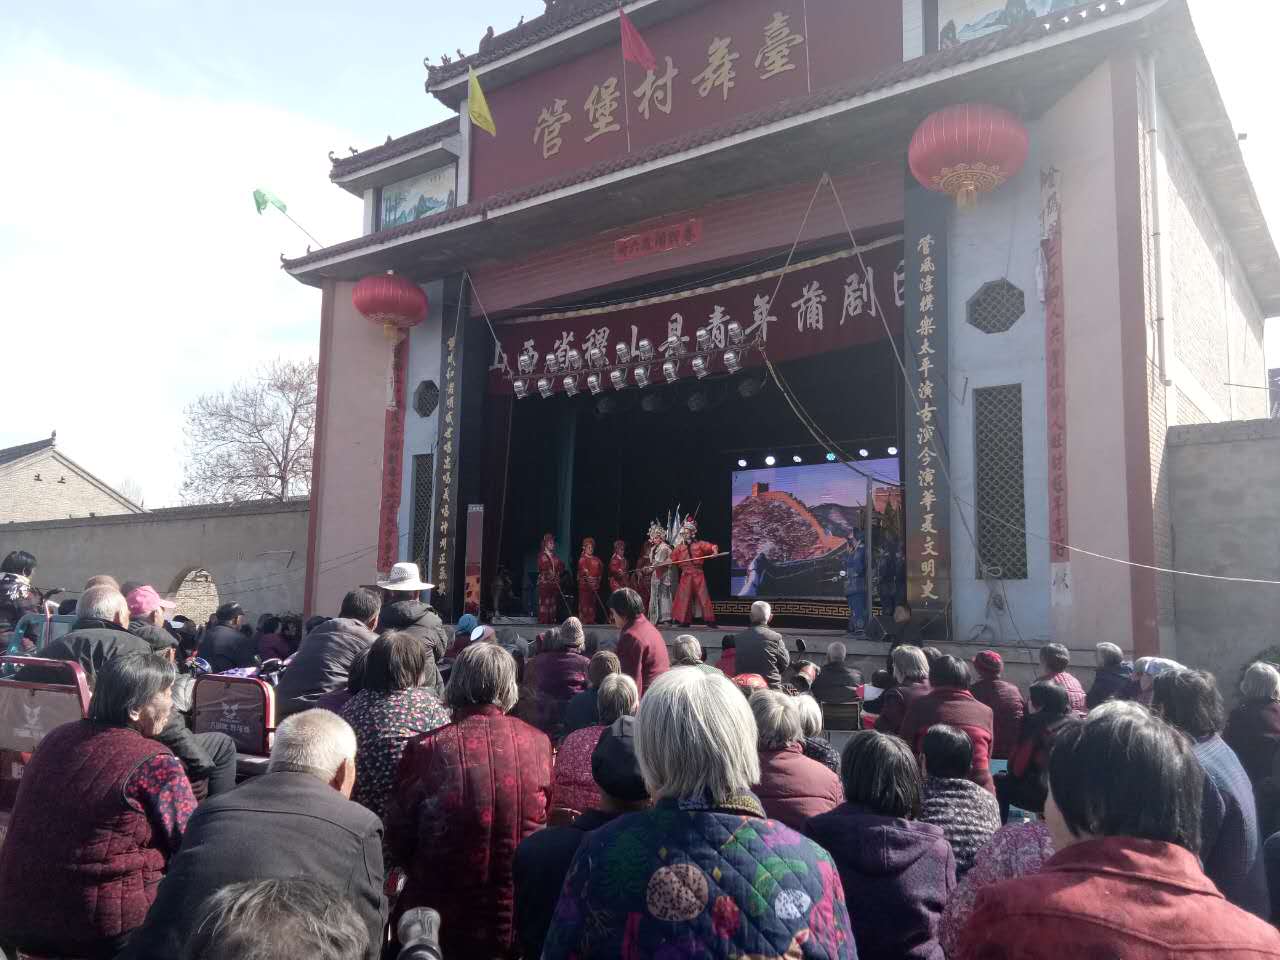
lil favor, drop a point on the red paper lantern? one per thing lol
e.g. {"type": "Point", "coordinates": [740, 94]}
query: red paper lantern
{"type": "Point", "coordinates": [391, 300]}
{"type": "Point", "coordinates": [968, 149]}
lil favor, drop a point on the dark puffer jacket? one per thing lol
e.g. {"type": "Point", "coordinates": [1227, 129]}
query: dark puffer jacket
{"type": "Point", "coordinates": [322, 664]}
{"type": "Point", "coordinates": [419, 620]}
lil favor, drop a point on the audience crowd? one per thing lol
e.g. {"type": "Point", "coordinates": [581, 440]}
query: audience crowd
{"type": "Point", "coordinates": [594, 794]}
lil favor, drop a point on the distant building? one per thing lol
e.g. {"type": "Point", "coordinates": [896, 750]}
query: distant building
{"type": "Point", "coordinates": [39, 482]}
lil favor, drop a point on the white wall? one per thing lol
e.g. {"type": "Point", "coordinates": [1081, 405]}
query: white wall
{"type": "Point", "coordinates": [419, 433]}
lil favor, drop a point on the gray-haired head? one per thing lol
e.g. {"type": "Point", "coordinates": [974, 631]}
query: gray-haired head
{"type": "Point", "coordinates": [618, 696]}
{"type": "Point", "coordinates": [686, 651]}
{"type": "Point", "coordinates": [483, 674]}
{"type": "Point", "coordinates": [1260, 682]}
{"type": "Point", "coordinates": [836, 652]}
{"type": "Point", "coordinates": [317, 741]}
{"type": "Point", "coordinates": [761, 613]}
{"type": "Point", "coordinates": [910, 664]}
{"type": "Point", "coordinates": [777, 719]}
{"type": "Point", "coordinates": [103, 603]}
{"type": "Point", "coordinates": [696, 737]}
{"type": "Point", "coordinates": [810, 714]}
{"type": "Point", "coordinates": [126, 684]}
{"type": "Point", "coordinates": [1109, 655]}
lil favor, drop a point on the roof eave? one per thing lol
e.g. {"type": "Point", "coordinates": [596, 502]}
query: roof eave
{"type": "Point", "coordinates": [430, 156]}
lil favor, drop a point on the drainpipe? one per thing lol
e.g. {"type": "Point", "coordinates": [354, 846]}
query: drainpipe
{"type": "Point", "coordinates": [1157, 235]}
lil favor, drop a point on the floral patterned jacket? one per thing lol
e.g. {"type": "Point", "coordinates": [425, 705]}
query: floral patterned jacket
{"type": "Point", "coordinates": [686, 879]}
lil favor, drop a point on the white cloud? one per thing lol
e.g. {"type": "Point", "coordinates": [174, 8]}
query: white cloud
{"type": "Point", "coordinates": [136, 273]}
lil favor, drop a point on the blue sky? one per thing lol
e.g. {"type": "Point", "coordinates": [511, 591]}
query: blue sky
{"type": "Point", "coordinates": [136, 131]}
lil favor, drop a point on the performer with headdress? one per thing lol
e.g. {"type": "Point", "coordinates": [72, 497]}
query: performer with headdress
{"type": "Point", "coordinates": [662, 577]}
{"type": "Point", "coordinates": [618, 577]}
{"type": "Point", "coordinates": [550, 568]}
{"type": "Point", "coordinates": [590, 571]}
{"type": "Point", "coordinates": [691, 596]}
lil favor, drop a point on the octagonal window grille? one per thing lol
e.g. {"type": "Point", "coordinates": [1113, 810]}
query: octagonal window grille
{"type": "Point", "coordinates": [426, 398]}
{"type": "Point", "coordinates": [996, 307]}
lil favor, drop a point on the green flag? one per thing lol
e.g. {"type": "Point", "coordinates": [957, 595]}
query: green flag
{"type": "Point", "coordinates": [263, 197]}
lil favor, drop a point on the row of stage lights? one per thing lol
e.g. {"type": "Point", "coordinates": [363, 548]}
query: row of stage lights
{"type": "Point", "coordinates": [597, 362]}
{"type": "Point", "coordinates": [772, 461]}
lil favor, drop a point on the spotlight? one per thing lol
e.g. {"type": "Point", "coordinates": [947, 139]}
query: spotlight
{"type": "Point", "coordinates": [704, 339]}
{"type": "Point", "coordinates": [553, 367]}
{"type": "Point", "coordinates": [742, 464]}
{"type": "Point", "coordinates": [700, 367]}
{"type": "Point", "coordinates": [795, 458]}
{"type": "Point", "coordinates": [645, 350]}
{"type": "Point", "coordinates": [595, 357]}
{"type": "Point", "coordinates": [770, 460]}
{"type": "Point", "coordinates": [618, 378]}
{"type": "Point", "coordinates": [732, 361]}
{"type": "Point", "coordinates": [624, 354]}
{"type": "Point", "coordinates": [671, 370]}
{"type": "Point", "coordinates": [831, 458]}
{"type": "Point", "coordinates": [571, 386]}
{"type": "Point", "coordinates": [672, 345]}
{"type": "Point", "coordinates": [864, 452]}
{"type": "Point", "coordinates": [528, 360]}
{"type": "Point", "coordinates": [893, 451]}
{"type": "Point", "coordinates": [735, 332]}
{"type": "Point", "coordinates": [573, 360]}
{"type": "Point", "coordinates": [546, 388]}
{"type": "Point", "coordinates": [521, 387]}
{"type": "Point", "coordinates": [593, 384]}
{"type": "Point", "coordinates": [642, 377]}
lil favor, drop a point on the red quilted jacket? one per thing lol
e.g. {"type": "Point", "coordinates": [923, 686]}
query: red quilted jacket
{"type": "Point", "coordinates": [465, 796]}
{"type": "Point", "coordinates": [957, 708]}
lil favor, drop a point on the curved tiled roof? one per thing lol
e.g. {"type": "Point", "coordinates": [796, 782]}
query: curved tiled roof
{"type": "Point", "coordinates": [345, 166]}
{"type": "Point", "coordinates": [10, 454]}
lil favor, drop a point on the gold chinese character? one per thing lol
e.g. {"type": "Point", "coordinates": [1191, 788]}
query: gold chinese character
{"type": "Point", "coordinates": [926, 283]}
{"type": "Point", "coordinates": [927, 326]}
{"type": "Point", "coordinates": [928, 568]}
{"type": "Point", "coordinates": [550, 120]}
{"type": "Point", "coordinates": [926, 303]}
{"type": "Point", "coordinates": [927, 477]}
{"type": "Point", "coordinates": [926, 591]}
{"type": "Point", "coordinates": [656, 91]}
{"type": "Point", "coordinates": [925, 390]}
{"type": "Point", "coordinates": [925, 246]}
{"type": "Point", "coordinates": [775, 55]}
{"type": "Point", "coordinates": [928, 499]}
{"type": "Point", "coordinates": [453, 341]}
{"type": "Point", "coordinates": [929, 549]}
{"type": "Point", "coordinates": [927, 265]}
{"type": "Point", "coordinates": [926, 524]}
{"type": "Point", "coordinates": [601, 107]}
{"type": "Point", "coordinates": [925, 348]}
{"type": "Point", "coordinates": [719, 72]}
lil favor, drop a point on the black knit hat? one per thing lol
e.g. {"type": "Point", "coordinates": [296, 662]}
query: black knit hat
{"type": "Point", "coordinates": [614, 766]}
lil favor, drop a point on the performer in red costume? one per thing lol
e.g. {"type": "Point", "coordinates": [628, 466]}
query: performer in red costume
{"type": "Point", "coordinates": [642, 576]}
{"type": "Point", "coordinates": [550, 569]}
{"type": "Point", "coordinates": [590, 569]}
{"type": "Point", "coordinates": [618, 577]}
{"type": "Point", "coordinates": [692, 596]}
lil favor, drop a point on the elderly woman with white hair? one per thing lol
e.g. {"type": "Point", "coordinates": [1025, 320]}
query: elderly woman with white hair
{"type": "Point", "coordinates": [701, 871]}
{"type": "Point", "coordinates": [686, 651]}
{"type": "Point", "coordinates": [465, 795]}
{"type": "Point", "coordinates": [573, 788]}
{"type": "Point", "coordinates": [1253, 728]}
{"type": "Point", "coordinates": [792, 787]}
{"type": "Point", "coordinates": [559, 674]}
{"type": "Point", "coordinates": [1112, 676]}
{"type": "Point", "coordinates": [812, 743]}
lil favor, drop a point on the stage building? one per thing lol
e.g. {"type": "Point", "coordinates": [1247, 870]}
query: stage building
{"type": "Point", "coordinates": [728, 284]}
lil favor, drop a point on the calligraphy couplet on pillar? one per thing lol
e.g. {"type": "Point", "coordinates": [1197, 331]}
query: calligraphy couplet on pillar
{"type": "Point", "coordinates": [928, 508]}
{"type": "Point", "coordinates": [474, 558]}
{"type": "Point", "coordinates": [447, 517]}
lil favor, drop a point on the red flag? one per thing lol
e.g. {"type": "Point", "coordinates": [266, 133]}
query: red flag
{"type": "Point", "coordinates": [633, 46]}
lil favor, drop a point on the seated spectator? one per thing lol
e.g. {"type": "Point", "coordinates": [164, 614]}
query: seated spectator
{"type": "Point", "coordinates": [335, 700]}
{"type": "Point", "coordinates": [1112, 676]}
{"type": "Point", "coordinates": [727, 664]}
{"type": "Point", "coordinates": [1230, 845]}
{"type": "Point", "coordinates": [950, 702]}
{"type": "Point", "coordinates": [896, 871]}
{"type": "Point", "coordinates": [291, 631]}
{"type": "Point", "coordinates": [1253, 729]}
{"type": "Point", "coordinates": [1015, 850]}
{"type": "Point", "coordinates": [749, 683]}
{"type": "Point", "coordinates": [313, 622]}
{"type": "Point", "coordinates": [1004, 699]}
{"type": "Point", "coordinates": [761, 649]}
{"type": "Point", "coordinates": [271, 645]}
{"type": "Point", "coordinates": [583, 710]}
{"type": "Point", "coordinates": [394, 705]}
{"type": "Point", "coordinates": [543, 858]}
{"type": "Point", "coordinates": [792, 787]}
{"type": "Point", "coordinates": [1125, 881]}
{"type": "Point", "coordinates": [967, 814]}
{"type": "Point", "coordinates": [801, 675]}
{"type": "Point", "coordinates": [1145, 670]}
{"type": "Point", "coordinates": [100, 633]}
{"type": "Point", "coordinates": [641, 649]}
{"type": "Point", "coordinates": [419, 621]}
{"type": "Point", "coordinates": [509, 639]}
{"type": "Point", "coordinates": [224, 646]}
{"type": "Point", "coordinates": [573, 790]}
{"type": "Point", "coordinates": [1025, 783]}
{"type": "Point", "coordinates": [837, 682]}
{"type": "Point", "coordinates": [467, 624]}
{"type": "Point", "coordinates": [686, 651]}
{"type": "Point", "coordinates": [1054, 660]}
{"type": "Point", "coordinates": [813, 745]}
{"type": "Point", "coordinates": [294, 919]}
{"type": "Point", "coordinates": [323, 662]}
{"type": "Point", "coordinates": [18, 596]}
{"type": "Point", "coordinates": [295, 820]}
{"type": "Point", "coordinates": [465, 796]}
{"type": "Point", "coordinates": [911, 681]}
{"type": "Point", "coordinates": [684, 862]}
{"type": "Point", "coordinates": [100, 811]}
{"type": "Point", "coordinates": [559, 672]}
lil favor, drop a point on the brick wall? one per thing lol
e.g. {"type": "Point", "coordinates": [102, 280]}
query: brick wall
{"type": "Point", "coordinates": [61, 492]}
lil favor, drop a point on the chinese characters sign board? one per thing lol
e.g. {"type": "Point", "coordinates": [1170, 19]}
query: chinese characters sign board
{"type": "Point", "coordinates": [1056, 378]}
{"type": "Point", "coordinates": [662, 239]}
{"type": "Point", "coordinates": [447, 516]}
{"type": "Point", "coordinates": [822, 305]}
{"type": "Point", "coordinates": [722, 60]}
{"type": "Point", "coordinates": [925, 357]}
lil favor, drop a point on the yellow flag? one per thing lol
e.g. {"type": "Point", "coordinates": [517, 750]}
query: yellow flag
{"type": "Point", "coordinates": [479, 106]}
